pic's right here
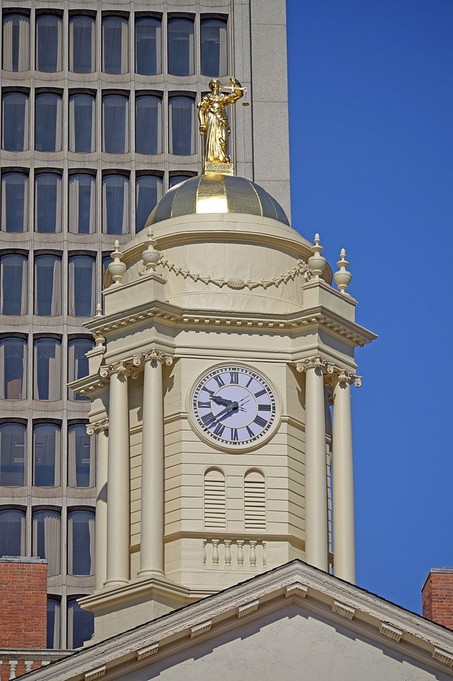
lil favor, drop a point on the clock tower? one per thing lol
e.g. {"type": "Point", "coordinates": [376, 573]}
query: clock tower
{"type": "Point", "coordinates": [223, 351]}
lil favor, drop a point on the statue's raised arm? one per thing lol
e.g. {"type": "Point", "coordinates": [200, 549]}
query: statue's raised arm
{"type": "Point", "coordinates": [213, 119]}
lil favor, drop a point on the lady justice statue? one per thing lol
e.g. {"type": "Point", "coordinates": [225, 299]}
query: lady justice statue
{"type": "Point", "coordinates": [214, 120]}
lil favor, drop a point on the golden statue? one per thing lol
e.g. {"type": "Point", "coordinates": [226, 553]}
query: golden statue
{"type": "Point", "coordinates": [214, 120]}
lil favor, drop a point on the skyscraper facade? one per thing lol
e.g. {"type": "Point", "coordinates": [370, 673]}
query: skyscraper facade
{"type": "Point", "coordinates": [98, 120]}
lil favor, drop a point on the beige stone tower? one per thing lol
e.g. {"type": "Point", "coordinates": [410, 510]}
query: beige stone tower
{"type": "Point", "coordinates": [221, 346]}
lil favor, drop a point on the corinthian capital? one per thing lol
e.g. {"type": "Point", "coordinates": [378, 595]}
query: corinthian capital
{"type": "Point", "coordinates": [157, 356]}
{"type": "Point", "coordinates": [97, 427]}
{"type": "Point", "coordinates": [344, 377]}
{"type": "Point", "coordinates": [312, 363]}
{"type": "Point", "coordinates": [122, 368]}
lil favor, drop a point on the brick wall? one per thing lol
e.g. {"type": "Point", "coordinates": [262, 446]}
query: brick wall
{"type": "Point", "coordinates": [23, 603]}
{"type": "Point", "coordinates": [437, 596]}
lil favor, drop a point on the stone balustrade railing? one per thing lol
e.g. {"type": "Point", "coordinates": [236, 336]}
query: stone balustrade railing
{"type": "Point", "coordinates": [234, 554]}
{"type": "Point", "coordinates": [14, 663]}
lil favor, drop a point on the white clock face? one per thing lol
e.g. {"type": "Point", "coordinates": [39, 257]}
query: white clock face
{"type": "Point", "coordinates": [234, 406]}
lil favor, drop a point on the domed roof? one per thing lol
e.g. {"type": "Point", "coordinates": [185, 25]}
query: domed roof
{"type": "Point", "coordinates": [216, 193]}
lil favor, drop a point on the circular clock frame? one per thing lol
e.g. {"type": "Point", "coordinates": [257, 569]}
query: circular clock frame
{"type": "Point", "coordinates": [245, 423]}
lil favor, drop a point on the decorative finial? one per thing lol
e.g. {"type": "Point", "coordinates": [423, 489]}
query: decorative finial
{"type": "Point", "coordinates": [150, 255]}
{"type": "Point", "coordinates": [342, 276]}
{"type": "Point", "coordinates": [99, 310]}
{"type": "Point", "coordinates": [116, 267]}
{"type": "Point", "coordinates": [214, 126]}
{"type": "Point", "coordinates": [317, 262]}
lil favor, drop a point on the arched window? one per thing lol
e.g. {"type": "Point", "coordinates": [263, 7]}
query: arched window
{"type": "Point", "coordinates": [82, 269]}
{"type": "Point", "coordinates": [115, 48]}
{"type": "Point", "coordinates": [14, 202]}
{"type": "Point", "coordinates": [46, 454]}
{"type": "Point", "coordinates": [82, 204]}
{"type": "Point", "coordinates": [214, 500]}
{"type": "Point", "coordinates": [78, 362]}
{"type": "Point", "coordinates": [181, 126]}
{"type": "Point", "coordinates": [12, 532]}
{"type": "Point", "coordinates": [115, 204]}
{"type": "Point", "coordinates": [115, 124]}
{"type": "Point", "coordinates": [48, 203]}
{"type": "Point", "coordinates": [48, 43]}
{"type": "Point", "coordinates": [180, 46]}
{"type": "Point", "coordinates": [16, 42]}
{"type": "Point", "coordinates": [148, 124]}
{"type": "Point", "coordinates": [148, 49]}
{"type": "Point", "coordinates": [80, 624]}
{"type": "Point", "coordinates": [48, 285]}
{"type": "Point", "coordinates": [81, 456]}
{"type": "Point", "coordinates": [13, 284]}
{"type": "Point", "coordinates": [47, 538]}
{"type": "Point", "coordinates": [148, 191]}
{"type": "Point", "coordinates": [254, 501]}
{"type": "Point", "coordinates": [81, 44]}
{"type": "Point", "coordinates": [214, 47]}
{"type": "Point", "coordinates": [13, 367]}
{"type": "Point", "coordinates": [12, 453]}
{"type": "Point", "coordinates": [48, 106]}
{"type": "Point", "coordinates": [53, 622]}
{"type": "Point", "coordinates": [81, 542]}
{"type": "Point", "coordinates": [82, 126]}
{"type": "Point", "coordinates": [15, 121]}
{"type": "Point", "coordinates": [47, 369]}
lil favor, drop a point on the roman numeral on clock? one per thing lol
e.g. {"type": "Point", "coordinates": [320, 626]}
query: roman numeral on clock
{"type": "Point", "coordinates": [219, 429]}
{"type": "Point", "coordinates": [208, 419]}
{"type": "Point", "coordinates": [234, 435]}
{"type": "Point", "coordinates": [234, 377]}
{"type": "Point", "coordinates": [260, 393]}
{"type": "Point", "coordinates": [260, 421]}
{"type": "Point", "coordinates": [264, 407]}
{"type": "Point", "coordinates": [219, 380]}
{"type": "Point", "coordinates": [204, 405]}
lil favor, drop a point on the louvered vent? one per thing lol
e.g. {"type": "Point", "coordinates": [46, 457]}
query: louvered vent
{"type": "Point", "coordinates": [214, 500]}
{"type": "Point", "coordinates": [254, 501]}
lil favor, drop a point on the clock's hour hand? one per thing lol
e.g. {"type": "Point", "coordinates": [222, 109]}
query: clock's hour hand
{"type": "Point", "coordinates": [231, 409]}
{"type": "Point", "coordinates": [221, 400]}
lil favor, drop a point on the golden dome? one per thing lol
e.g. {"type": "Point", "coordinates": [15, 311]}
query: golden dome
{"type": "Point", "coordinates": [215, 193]}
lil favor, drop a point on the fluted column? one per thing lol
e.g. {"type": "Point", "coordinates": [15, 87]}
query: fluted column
{"type": "Point", "coordinates": [152, 481]}
{"type": "Point", "coordinates": [118, 480]}
{"type": "Point", "coordinates": [343, 480]}
{"type": "Point", "coordinates": [316, 533]}
{"type": "Point", "coordinates": [99, 429]}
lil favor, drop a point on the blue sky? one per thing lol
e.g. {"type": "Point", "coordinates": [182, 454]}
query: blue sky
{"type": "Point", "coordinates": [371, 129]}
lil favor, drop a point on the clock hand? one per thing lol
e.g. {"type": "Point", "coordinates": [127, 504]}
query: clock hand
{"type": "Point", "coordinates": [221, 400]}
{"type": "Point", "coordinates": [232, 408]}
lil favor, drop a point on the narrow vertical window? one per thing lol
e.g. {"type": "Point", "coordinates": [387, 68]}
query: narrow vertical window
{"type": "Point", "coordinates": [80, 624]}
{"type": "Point", "coordinates": [181, 126]}
{"type": "Point", "coordinates": [12, 532]}
{"type": "Point", "coordinates": [148, 125]}
{"type": "Point", "coordinates": [254, 501]}
{"type": "Point", "coordinates": [48, 43]}
{"type": "Point", "coordinates": [82, 206]}
{"type": "Point", "coordinates": [81, 44]}
{"type": "Point", "coordinates": [48, 122]}
{"type": "Point", "coordinates": [78, 363]}
{"type": "Point", "coordinates": [47, 538]}
{"type": "Point", "coordinates": [214, 500]}
{"type": "Point", "coordinates": [12, 453]}
{"type": "Point", "coordinates": [82, 123]}
{"type": "Point", "coordinates": [115, 124]}
{"type": "Point", "coordinates": [47, 285]}
{"type": "Point", "coordinates": [81, 455]}
{"type": "Point", "coordinates": [53, 622]}
{"type": "Point", "coordinates": [15, 121]}
{"type": "Point", "coordinates": [115, 200]}
{"type": "Point", "coordinates": [148, 192]}
{"type": "Point", "coordinates": [46, 454]}
{"type": "Point", "coordinates": [13, 355]}
{"type": "Point", "coordinates": [115, 48]}
{"type": "Point", "coordinates": [81, 543]}
{"type": "Point", "coordinates": [81, 285]}
{"type": "Point", "coordinates": [47, 369]}
{"type": "Point", "coordinates": [14, 202]}
{"type": "Point", "coordinates": [16, 42]}
{"type": "Point", "coordinates": [214, 48]}
{"type": "Point", "coordinates": [180, 46]}
{"type": "Point", "coordinates": [148, 46]}
{"type": "Point", "coordinates": [13, 284]}
{"type": "Point", "coordinates": [48, 202]}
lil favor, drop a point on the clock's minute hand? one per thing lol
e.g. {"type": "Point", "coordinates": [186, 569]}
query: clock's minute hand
{"type": "Point", "coordinates": [221, 400]}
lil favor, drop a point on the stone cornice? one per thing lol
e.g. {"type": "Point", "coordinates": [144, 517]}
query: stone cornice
{"type": "Point", "coordinates": [413, 637]}
{"type": "Point", "coordinates": [172, 315]}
